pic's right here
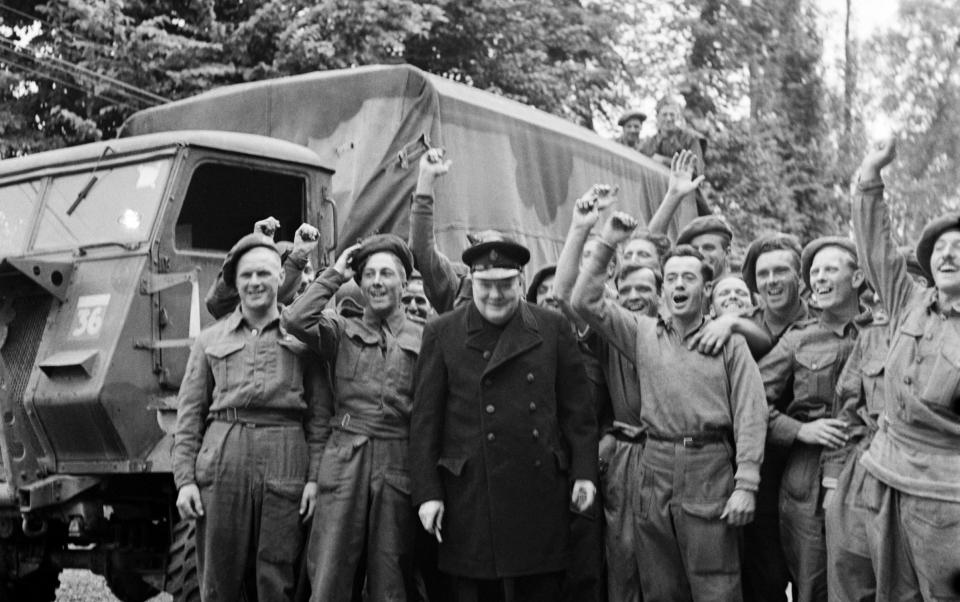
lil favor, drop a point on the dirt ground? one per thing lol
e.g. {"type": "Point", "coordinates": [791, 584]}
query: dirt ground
{"type": "Point", "coordinates": [83, 586]}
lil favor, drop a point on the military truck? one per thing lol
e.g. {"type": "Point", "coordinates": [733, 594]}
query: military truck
{"type": "Point", "coordinates": [107, 249]}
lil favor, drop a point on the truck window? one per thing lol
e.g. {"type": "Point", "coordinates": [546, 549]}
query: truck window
{"type": "Point", "coordinates": [17, 203]}
{"type": "Point", "coordinates": [224, 201]}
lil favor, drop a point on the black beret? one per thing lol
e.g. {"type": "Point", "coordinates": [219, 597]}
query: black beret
{"type": "Point", "coordinates": [816, 245]}
{"type": "Point", "coordinates": [496, 259]}
{"type": "Point", "coordinates": [631, 114]}
{"type": "Point", "coordinates": [779, 241]}
{"type": "Point", "coordinates": [703, 225]}
{"type": "Point", "coordinates": [928, 238]}
{"type": "Point", "coordinates": [247, 243]}
{"type": "Point", "coordinates": [381, 243]}
{"type": "Point", "coordinates": [538, 278]}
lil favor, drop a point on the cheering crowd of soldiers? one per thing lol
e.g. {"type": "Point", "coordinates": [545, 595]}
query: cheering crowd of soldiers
{"type": "Point", "coordinates": [640, 423]}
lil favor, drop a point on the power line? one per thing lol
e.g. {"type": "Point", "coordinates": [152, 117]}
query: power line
{"type": "Point", "coordinates": [65, 67]}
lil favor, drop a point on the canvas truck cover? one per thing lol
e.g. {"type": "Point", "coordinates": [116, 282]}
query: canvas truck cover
{"type": "Point", "coordinates": [515, 169]}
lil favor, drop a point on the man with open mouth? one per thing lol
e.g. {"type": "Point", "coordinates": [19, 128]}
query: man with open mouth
{"type": "Point", "coordinates": [697, 409]}
{"type": "Point", "coordinates": [808, 360]}
{"type": "Point", "coordinates": [910, 490]}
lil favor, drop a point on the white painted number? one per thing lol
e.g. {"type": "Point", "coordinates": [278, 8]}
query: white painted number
{"type": "Point", "coordinates": [90, 313]}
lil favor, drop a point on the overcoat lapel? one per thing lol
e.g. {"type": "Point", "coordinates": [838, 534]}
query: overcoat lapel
{"type": "Point", "coordinates": [521, 335]}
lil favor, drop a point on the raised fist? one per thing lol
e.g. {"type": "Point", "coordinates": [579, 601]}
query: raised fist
{"type": "Point", "coordinates": [619, 227]}
{"type": "Point", "coordinates": [267, 226]}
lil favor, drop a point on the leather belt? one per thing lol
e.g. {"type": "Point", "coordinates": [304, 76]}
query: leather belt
{"type": "Point", "coordinates": [258, 417]}
{"type": "Point", "coordinates": [694, 440]}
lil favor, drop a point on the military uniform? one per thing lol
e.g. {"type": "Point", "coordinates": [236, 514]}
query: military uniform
{"type": "Point", "coordinates": [363, 478]}
{"type": "Point", "coordinates": [249, 436]}
{"type": "Point", "coordinates": [859, 401]}
{"type": "Point", "coordinates": [445, 283]}
{"type": "Point", "coordinates": [912, 486]}
{"type": "Point", "coordinates": [696, 410]}
{"type": "Point", "coordinates": [808, 360]}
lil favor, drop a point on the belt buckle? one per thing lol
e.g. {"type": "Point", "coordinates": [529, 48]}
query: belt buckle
{"type": "Point", "coordinates": [233, 414]}
{"type": "Point", "coordinates": [688, 442]}
{"type": "Point", "coordinates": [345, 421]}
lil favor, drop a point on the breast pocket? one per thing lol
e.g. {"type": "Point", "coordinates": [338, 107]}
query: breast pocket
{"type": "Point", "coordinates": [873, 383]}
{"type": "Point", "coordinates": [291, 354]}
{"type": "Point", "coordinates": [225, 363]}
{"type": "Point", "coordinates": [941, 389]}
{"type": "Point", "coordinates": [405, 365]}
{"type": "Point", "coordinates": [814, 378]}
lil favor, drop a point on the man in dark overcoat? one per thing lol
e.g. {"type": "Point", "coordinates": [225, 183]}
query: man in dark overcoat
{"type": "Point", "coordinates": [502, 426]}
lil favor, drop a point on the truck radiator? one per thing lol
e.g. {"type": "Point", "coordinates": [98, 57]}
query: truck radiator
{"type": "Point", "coordinates": [19, 352]}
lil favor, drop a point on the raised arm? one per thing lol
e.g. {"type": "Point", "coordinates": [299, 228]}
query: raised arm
{"type": "Point", "coordinates": [305, 241]}
{"type": "Point", "coordinates": [612, 322]}
{"type": "Point", "coordinates": [681, 183]}
{"type": "Point", "coordinates": [885, 267]}
{"type": "Point", "coordinates": [441, 279]}
{"type": "Point", "coordinates": [306, 318]}
{"type": "Point", "coordinates": [586, 212]}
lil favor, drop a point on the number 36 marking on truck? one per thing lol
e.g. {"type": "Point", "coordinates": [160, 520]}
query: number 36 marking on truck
{"type": "Point", "coordinates": [90, 313]}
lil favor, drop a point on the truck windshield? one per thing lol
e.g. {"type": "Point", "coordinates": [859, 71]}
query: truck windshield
{"type": "Point", "coordinates": [119, 206]}
{"type": "Point", "coordinates": [17, 205]}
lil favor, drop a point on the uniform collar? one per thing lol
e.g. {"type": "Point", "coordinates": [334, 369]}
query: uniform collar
{"type": "Point", "coordinates": [235, 319]}
{"type": "Point", "coordinates": [933, 304]}
{"type": "Point", "coordinates": [394, 322]}
{"type": "Point", "coordinates": [665, 322]}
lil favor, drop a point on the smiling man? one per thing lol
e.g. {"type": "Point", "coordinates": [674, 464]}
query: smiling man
{"type": "Point", "coordinates": [911, 490]}
{"type": "Point", "coordinates": [363, 478]}
{"type": "Point", "coordinates": [730, 296]}
{"type": "Point", "coordinates": [250, 391]}
{"type": "Point", "coordinates": [697, 409]}
{"type": "Point", "coordinates": [502, 425]}
{"type": "Point", "coordinates": [805, 365]}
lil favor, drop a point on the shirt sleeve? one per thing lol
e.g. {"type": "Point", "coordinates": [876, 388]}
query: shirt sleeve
{"type": "Point", "coordinates": [749, 412]}
{"type": "Point", "coordinates": [440, 278]}
{"type": "Point", "coordinates": [193, 404]}
{"type": "Point", "coordinates": [293, 267]}
{"type": "Point", "coordinates": [615, 324]}
{"type": "Point", "coordinates": [319, 394]}
{"type": "Point", "coordinates": [776, 371]}
{"type": "Point", "coordinates": [307, 320]}
{"type": "Point", "coordinates": [885, 267]}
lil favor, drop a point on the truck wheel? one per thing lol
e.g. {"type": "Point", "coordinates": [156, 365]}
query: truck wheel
{"type": "Point", "coordinates": [38, 586]}
{"type": "Point", "coordinates": [183, 581]}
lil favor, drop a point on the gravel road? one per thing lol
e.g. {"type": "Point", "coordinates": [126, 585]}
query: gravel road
{"type": "Point", "coordinates": [83, 586]}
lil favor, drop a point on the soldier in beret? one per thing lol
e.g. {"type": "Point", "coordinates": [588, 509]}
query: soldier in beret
{"type": "Point", "coordinates": [631, 122]}
{"type": "Point", "coordinates": [415, 300]}
{"type": "Point", "coordinates": [808, 360]}
{"type": "Point", "coordinates": [910, 489]}
{"type": "Point", "coordinates": [710, 235]}
{"type": "Point", "coordinates": [500, 431]}
{"type": "Point", "coordinates": [363, 478]}
{"type": "Point", "coordinates": [250, 391]}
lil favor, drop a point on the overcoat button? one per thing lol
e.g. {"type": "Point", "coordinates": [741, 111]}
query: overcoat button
{"type": "Point", "coordinates": [537, 463]}
{"type": "Point", "coordinates": [536, 434]}
{"type": "Point", "coordinates": [529, 377]}
{"type": "Point", "coordinates": [533, 407]}
{"type": "Point", "coordinates": [486, 355]}
{"type": "Point", "coordinates": [490, 437]}
{"type": "Point", "coordinates": [491, 409]}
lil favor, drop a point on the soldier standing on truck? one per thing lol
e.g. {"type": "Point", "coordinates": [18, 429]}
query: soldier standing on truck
{"type": "Point", "coordinates": [248, 440]}
{"type": "Point", "coordinates": [364, 495]}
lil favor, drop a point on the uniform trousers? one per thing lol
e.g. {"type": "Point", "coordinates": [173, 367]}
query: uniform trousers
{"type": "Point", "coordinates": [365, 509]}
{"type": "Point", "coordinates": [620, 481]}
{"type": "Point", "coordinates": [901, 546]}
{"type": "Point", "coordinates": [689, 554]}
{"type": "Point", "coordinates": [802, 523]}
{"type": "Point", "coordinates": [543, 587]}
{"type": "Point", "coordinates": [765, 573]}
{"type": "Point", "coordinates": [249, 540]}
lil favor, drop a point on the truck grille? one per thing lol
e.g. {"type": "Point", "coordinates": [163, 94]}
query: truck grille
{"type": "Point", "coordinates": [23, 339]}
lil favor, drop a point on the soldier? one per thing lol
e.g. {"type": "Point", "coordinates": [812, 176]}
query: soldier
{"type": "Point", "coordinates": [248, 438]}
{"type": "Point", "coordinates": [541, 291]}
{"type": "Point", "coordinates": [499, 430]}
{"type": "Point", "coordinates": [631, 122]}
{"type": "Point", "coordinates": [297, 270]}
{"type": "Point", "coordinates": [771, 269]}
{"type": "Point", "coordinates": [696, 410]}
{"type": "Point", "coordinates": [672, 136]}
{"type": "Point", "coordinates": [415, 301]}
{"type": "Point", "coordinates": [710, 235]}
{"type": "Point", "coordinates": [910, 491]}
{"type": "Point", "coordinates": [364, 483]}
{"type": "Point", "coordinates": [809, 359]}
{"type": "Point", "coordinates": [730, 296]}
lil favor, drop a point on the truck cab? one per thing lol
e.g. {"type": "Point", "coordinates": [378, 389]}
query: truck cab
{"type": "Point", "coordinates": [106, 251]}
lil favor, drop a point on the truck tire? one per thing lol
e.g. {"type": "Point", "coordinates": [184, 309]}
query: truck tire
{"type": "Point", "coordinates": [183, 581]}
{"type": "Point", "coordinates": [38, 586]}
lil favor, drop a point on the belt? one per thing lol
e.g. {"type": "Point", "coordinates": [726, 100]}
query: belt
{"type": "Point", "coordinates": [694, 440]}
{"type": "Point", "coordinates": [258, 417]}
{"type": "Point", "coordinates": [628, 433]}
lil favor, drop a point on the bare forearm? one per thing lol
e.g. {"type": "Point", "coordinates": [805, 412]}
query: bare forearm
{"type": "Point", "coordinates": [660, 221]}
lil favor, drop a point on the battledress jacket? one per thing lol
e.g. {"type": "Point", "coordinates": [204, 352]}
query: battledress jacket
{"type": "Point", "coordinates": [501, 428]}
